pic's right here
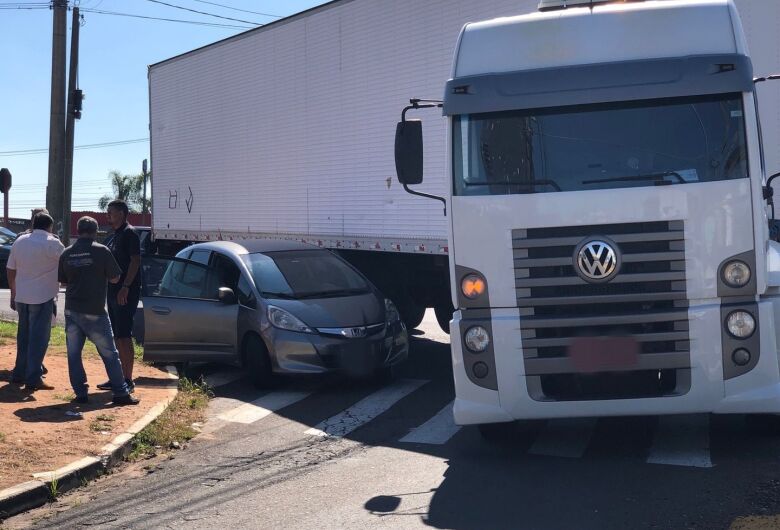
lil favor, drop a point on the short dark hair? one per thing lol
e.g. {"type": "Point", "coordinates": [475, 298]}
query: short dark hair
{"type": "Point", "coordinates": [36, 211]}
{"type": "Point", "coordinates": [119, 204]}
{"type": "Point", "coordinates": [42, 221]}
{"type": "Point", "coordinates": [87, 226]}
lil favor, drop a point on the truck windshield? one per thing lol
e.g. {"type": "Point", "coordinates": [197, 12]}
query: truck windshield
{"type": "Point", "coordinates": [614, 145]}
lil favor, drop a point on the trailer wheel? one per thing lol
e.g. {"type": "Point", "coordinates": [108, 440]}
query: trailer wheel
{"type": "Point", "coordinates": [412, 314]}
{"type": "Point", "coordinates": [443, 317]}
{"type": "Point", "coordinates": [257, 361]}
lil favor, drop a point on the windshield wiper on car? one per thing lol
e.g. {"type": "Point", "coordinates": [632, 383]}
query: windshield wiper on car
{"type": "Point", "coordinates": [285, 296]}
{"type": "Point", "coordinates": [633, 178]}
{"type": "Point", "coordinates": [527, 184]}
{"type": "Point", "coordinates": [332, 293]}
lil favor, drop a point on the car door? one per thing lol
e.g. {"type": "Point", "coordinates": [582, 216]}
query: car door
{"type": "Point", "coordinates": [184, 319]}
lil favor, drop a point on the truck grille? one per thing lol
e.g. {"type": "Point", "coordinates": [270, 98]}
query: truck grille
{"type": "Point", "coordinates": [643, 309]}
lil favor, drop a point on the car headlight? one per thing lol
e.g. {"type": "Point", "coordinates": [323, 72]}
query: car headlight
{"type": "Point", "coordinates": [473, 286]}
{"type": "Point", "coordinates": [282, 319]}
{"type": "Point", "coordinates": [391, 312]}
{"type": "Point", "coordinates": [740, 324]}
{"type": "Point", "coordinates": [736, 273]}
{"type": "Point", "coordinates": [477, 339]}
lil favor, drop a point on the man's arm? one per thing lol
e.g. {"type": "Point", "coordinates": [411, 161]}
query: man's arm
{"type": "Point", "coordinates": [132, 245]}
{"type": "Point", "coordinates": [12, 284]}
{"type": "Point", "coordinates": [114, 280]}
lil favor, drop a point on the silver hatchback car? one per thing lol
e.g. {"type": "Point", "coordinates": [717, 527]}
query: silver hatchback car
{"type": "Point", "coordinates": [272, 306]}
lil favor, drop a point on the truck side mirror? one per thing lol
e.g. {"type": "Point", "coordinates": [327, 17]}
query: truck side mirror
{"type": "Point", "coordinates": [409, 152]}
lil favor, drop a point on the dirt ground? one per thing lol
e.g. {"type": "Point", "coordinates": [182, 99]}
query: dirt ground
{"type": "Point", "coordinates": [36, 432]}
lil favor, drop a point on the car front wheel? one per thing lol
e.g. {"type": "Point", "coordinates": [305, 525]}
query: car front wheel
{"type": "Point", "coordinates": [257, 362]}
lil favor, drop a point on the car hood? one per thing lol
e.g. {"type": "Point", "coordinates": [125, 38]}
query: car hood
{"type": "Point", "coordinates": [339, 312]}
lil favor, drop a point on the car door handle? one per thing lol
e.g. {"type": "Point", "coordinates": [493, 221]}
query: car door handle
{"type": "Point", "coordinates": [161, 310]}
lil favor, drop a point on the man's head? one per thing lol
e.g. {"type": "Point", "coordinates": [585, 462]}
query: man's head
{"type": "Point", "coordinates": [117, 213]}
{"type": "Point", "coordinates": [35, 212]}
{"type": "Point", "coordinates": [87, 227]}
{"type": "Point", "coordinates": [42, 221]}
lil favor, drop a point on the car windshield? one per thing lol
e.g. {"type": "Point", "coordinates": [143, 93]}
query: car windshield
{"type": "Point", "coordinates": [614, 145]}
{"type": "Point", "coordinates": [303, 274]}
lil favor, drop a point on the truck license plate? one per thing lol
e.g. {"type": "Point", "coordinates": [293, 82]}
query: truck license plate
{"type": "Point", "coordinates": [604, 354]}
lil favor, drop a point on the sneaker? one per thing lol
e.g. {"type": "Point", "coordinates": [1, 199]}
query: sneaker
{"type": "Point", "coordinates": [130, 385]}
{"type": "Point", "coordinates": [104, 386]}
{"type": "Point", "coordinates": [37, 386]}
{"type": "Point", "coordinates": [126, 400]}
{"type": "Point", "coordinates": [81, 400]}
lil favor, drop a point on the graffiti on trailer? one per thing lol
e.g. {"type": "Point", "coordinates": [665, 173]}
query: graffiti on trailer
{"type": "Point", "coordinates": [173, 199]}
{"type": "Point", "coordinates": [189, 201]}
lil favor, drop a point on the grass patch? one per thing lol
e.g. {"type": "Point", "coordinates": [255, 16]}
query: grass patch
{"type": "Point", "coordinates": [174, 426]}
{"type": "Point", "coordinates": [67, 397]}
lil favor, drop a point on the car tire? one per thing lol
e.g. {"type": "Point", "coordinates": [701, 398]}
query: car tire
{"type": "Point", "coordinates": [496, 432]}
{"type": "Point", "coordinates": [412, 314]}
{"type": "Point", "coordinates": [443, 317]}
{"type": "Point", "coordinates": [257, 361]}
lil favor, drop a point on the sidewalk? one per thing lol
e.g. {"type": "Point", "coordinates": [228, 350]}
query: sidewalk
{"type": "Point", "coordinates": [43, 432]}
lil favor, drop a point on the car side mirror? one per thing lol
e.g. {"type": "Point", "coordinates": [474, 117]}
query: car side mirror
{"type": "Point", "coordinates": [227, 296]}
{"type": "Point", "coordinates": [409, 152]}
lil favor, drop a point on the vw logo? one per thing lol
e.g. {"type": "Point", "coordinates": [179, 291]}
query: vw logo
{"type": "Point", "coordinates": [596, 260]}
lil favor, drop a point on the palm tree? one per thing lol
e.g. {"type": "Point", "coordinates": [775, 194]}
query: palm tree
{"type": "Point", "coordinates": [129, 188]}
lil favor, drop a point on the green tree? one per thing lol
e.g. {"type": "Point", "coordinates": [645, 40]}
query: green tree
{"type": "Point", "coordinates": [129, 188]}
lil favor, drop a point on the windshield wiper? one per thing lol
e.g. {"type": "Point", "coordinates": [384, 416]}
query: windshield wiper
{"type": "Point", "coordinates": [528, 184]}
{"type": "Point", "coordinates": [284, 296]}
{"type": "Point", "coordinates": [634, 178]}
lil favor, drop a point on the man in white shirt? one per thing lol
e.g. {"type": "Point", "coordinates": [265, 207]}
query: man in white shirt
{"type": "Point", "coordinates": [32, 275]}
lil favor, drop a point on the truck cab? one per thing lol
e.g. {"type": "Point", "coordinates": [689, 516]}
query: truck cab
{"type": "Point", "coordinates": [609, 244]}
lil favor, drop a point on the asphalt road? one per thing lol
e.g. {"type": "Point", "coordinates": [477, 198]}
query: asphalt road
{"type": "Point", "coordinates": [391, 458]}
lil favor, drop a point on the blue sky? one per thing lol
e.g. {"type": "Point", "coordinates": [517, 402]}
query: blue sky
{"type": "Point", "coordinates": [115, 53]}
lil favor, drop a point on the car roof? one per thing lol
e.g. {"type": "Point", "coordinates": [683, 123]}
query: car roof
{"type": "Point", "coordinates": [251, 246]}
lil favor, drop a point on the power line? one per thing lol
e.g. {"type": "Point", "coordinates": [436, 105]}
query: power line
{"type": "Point", "coordinates": [202, 12]}
{"type": "Point", "coordinates": [237, 9]}
{"type": "Point", "coordinates": [22, 152]}
{"type": "Point", "coordinates": [195, 22]}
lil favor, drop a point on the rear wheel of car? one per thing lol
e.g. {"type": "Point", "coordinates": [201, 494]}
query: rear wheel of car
{"type": "Point", "coordinates": [443, 317]}
{"type": "Point", "coordinates": [257, 361]}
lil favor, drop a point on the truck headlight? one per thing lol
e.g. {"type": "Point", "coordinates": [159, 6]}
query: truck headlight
{"type": "Point", "coordinates": [472, 286]}
{"type": "Point", "coordinates": [740, 324]}
{"type": "Point", "coordinates": [477, 339]}
{"type": "Point", "coordinates": [282, 319]}
{"type": "Point", "coordinates": [736, 273]}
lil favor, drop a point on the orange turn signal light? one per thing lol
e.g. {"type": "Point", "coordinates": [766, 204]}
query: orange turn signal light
{"type": "Point", "coordinates": [473, 286]}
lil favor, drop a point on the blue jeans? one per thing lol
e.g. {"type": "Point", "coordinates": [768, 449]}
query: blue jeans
{"type": "Point", "coordinates": [97, 328]}
{"type": "Point", "coordinates": [32, 340]}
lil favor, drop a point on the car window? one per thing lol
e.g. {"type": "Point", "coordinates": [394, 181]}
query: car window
{"type": "Point", "coordinates": [200, 256]}
{"type": "Point", "coordinates": [177, 278]}
{"type": "Point", "coordinates": [228, 271]}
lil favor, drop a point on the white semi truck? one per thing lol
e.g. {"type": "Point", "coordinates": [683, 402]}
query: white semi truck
{"type": "Point", "coordinates": [610, 211]}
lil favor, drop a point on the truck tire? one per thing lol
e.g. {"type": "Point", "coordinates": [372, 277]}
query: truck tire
{"type": "Point", "coordinates": [257, 361]}
{"type": "Point", "coordinates": [443, 317]}
{"type": "Point", "coordinates": [412, 314]}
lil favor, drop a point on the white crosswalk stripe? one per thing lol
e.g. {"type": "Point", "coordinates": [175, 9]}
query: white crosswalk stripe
{"type": "Point", "coordinates": [682, 441]}
{"type": "Point", "coordinates": [437, 430]}
{"type": "Point", "coordinates": [567, 438]}
{"type": "Point", "coordinates": [262, 407]}
{"type": "Point", "coordinates": [366, 409]}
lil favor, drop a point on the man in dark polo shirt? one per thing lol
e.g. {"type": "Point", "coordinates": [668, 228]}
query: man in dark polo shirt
{"type": "Point", "coordinates": [123, 297]}
{"type": "Point", "coordinates": [87, 267]}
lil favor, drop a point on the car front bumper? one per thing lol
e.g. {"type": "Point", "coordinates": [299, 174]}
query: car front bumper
{"type": "Point", "coordinates": [309, 353]}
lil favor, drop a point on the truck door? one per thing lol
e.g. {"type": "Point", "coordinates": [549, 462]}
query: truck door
{"type": "Point", "coordinates": [183, 316]}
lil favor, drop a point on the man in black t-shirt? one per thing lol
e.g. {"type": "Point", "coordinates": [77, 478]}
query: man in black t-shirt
{"type": "Point", "coordinates": [123, 297]}
{"type": "Point", "coordinates": [86, 267]}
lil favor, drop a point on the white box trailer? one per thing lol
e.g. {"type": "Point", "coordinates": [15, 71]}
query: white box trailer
{"type": "Point", "coordinates": [287, 131]}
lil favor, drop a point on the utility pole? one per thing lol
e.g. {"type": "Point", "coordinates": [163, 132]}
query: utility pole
{"type": "Point", "coordinates": [54, 190]}
{"type": "Point", "coordinates": [74, 113]}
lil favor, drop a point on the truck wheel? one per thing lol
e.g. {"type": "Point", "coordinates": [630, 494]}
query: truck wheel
{"type": "Point", "coordinates": [412, 314]}
{"type": "Point", "coordinates": [257, 362]}
{"type": "Point", "coordinates": [443, 317]}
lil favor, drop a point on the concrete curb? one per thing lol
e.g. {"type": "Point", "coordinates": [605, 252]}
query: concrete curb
{"type": "Point", "coordinates": [37, 492]}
